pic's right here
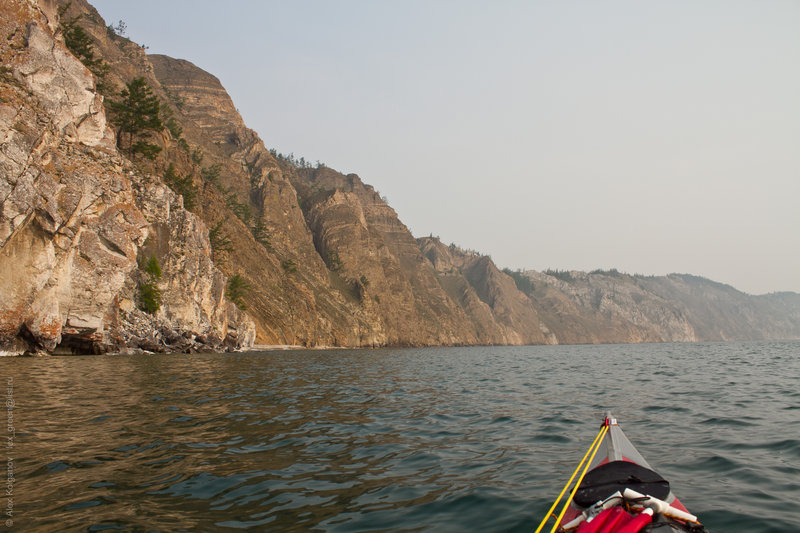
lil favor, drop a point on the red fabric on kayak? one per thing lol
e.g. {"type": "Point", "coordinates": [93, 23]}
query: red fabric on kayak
{"type": "Point", "coordinates": [572, 514]}
{"type": "Point", "coordinates": [606, 522]}
{"type": "Point", "coordinates": [676, 503]}
{"type": "Point", "coordinates": [638, 522]}
{"type": "Point", "coordinates": [614, 446]}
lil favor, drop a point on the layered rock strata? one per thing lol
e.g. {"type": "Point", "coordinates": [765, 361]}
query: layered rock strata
{"type": "Point", "coordinates": [500, 313]}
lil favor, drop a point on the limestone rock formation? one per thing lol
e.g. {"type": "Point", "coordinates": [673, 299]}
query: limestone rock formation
{"type": "Point", "coordinates": [193, 289]}
{"type": "Point", "coordinates": [72, 224]}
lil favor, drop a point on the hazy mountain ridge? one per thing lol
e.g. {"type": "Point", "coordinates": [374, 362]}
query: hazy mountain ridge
{"type": "Point", "coordinates": [721, 312]}
{"type": "Point", "coordinates": [327, 261]}
{"type": "Point", "coordinates": [673, 308]}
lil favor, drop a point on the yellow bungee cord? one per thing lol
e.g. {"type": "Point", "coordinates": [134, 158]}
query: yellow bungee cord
{"type": "Point", "coordinates": [592, 450]}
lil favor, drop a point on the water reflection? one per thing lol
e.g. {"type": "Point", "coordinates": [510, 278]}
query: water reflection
{"type": "Point", "coordinates": [438, 439]}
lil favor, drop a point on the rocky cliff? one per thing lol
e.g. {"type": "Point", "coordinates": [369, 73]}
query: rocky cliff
{"type": "Point", "coordinates": [290, 295]}
{"type": "Point", "coordinates": [275, 223]}
{"type": "Point", "coordinates": [357, 277]}
{"type": "Point", "coordinates": [376, 260]}
{"type": "Point", "coordinates": [499, 311]}
{"type": "Point", "coordinates": [76, 218]}
{"type": "Point", "coordinates": [90, 233]}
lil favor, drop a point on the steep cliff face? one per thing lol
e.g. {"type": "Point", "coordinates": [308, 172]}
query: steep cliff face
{"type": "Point", "coordinates": [596, 308]}
{"type": "Point", "coordinates": [195, 313]}
{"type": "Point", "coordinates": [296, 296]}
{"type": "Point", "coordinates": [203, 98]}
{"type": "Point", "coordinates": [72, 223]}
{"type": "Point", "coordinates": [339, 268]}
{"type": "Point", "coordinates": [290, 298]}
{"type": "Point", "coordinates": [375, 259]}
{"type": "Point", "coordinates": [498, 310]}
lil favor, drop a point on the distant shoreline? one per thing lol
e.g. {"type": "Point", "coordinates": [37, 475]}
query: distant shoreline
{"type": "Point", "coordinates": [287, 347]}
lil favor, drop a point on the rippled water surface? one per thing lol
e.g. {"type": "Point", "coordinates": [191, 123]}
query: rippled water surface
{"type": "Point", "coordinates": [451, 439]}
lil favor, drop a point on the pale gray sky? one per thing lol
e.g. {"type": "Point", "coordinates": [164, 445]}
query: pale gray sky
{"type": "Point", "coordinates": [651, 137]}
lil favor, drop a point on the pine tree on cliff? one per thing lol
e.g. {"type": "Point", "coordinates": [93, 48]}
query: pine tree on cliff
{"type": "Point", "coordinates": [137, 116]}
{"type": "Point", "coordinates": [82, 46]}
{"type": "Point", "coordinates": [237, 290]}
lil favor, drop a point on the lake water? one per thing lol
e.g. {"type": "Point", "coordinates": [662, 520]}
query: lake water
{"type": "Point", "coordinates": [442, 439]}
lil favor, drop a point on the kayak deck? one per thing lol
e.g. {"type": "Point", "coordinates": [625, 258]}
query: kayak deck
{"type": "Point", "coordinates": [619, 492]}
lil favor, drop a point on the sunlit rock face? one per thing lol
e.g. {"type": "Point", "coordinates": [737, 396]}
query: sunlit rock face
{"type": "Point", "coordinates": [69, 227]}
{"type": "Point", "coordinates": [340, 267]}
{"type": "Point", "coordinates": [72, 214]}
{"type": "Point", "coordinates": [371, 250]}
{"type": "Point", "coordinates": [64, 89]}
{"type": "Point", "coordinates": [500, 312]}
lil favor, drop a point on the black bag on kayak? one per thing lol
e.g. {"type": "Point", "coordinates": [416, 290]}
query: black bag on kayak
{"type": "Point", "coordinates": [606, 479]}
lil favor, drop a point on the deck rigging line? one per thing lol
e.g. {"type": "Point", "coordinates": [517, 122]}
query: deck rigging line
{"type": "Point", "coordinates": [592, 450]}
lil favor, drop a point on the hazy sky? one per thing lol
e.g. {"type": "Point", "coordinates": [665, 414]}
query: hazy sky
{"type": "Point", "coordinates": [651, 137]}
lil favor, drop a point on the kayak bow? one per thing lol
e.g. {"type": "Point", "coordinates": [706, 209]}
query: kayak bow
{"type": "Point", "coordinates": [618, 492]}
